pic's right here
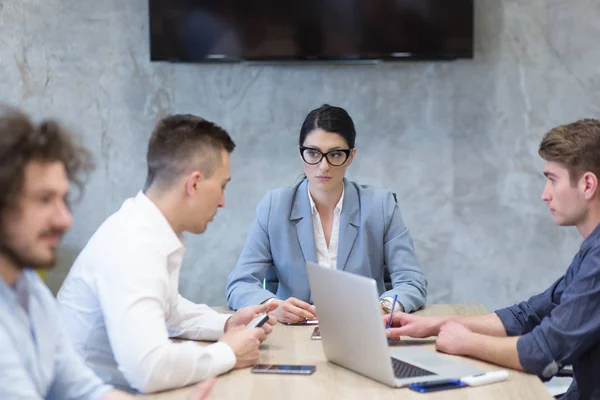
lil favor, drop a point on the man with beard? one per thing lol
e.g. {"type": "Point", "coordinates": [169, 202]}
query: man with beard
{"type": "Point", "coordinates": [37, 361]}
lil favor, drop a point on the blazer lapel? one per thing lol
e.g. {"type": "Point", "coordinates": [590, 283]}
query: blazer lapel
{"type": "Point", "coordinates": [349, 223]}
{"type": "Point", "coordinates": [301, 213]}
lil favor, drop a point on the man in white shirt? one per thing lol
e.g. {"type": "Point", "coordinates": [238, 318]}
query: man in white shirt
{"type": "Point", "coordinates": [120, 301]}
{"type": "Point", "coordinates": [37, 360]}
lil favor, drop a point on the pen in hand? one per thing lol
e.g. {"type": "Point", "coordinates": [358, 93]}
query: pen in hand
{"type": "Point", "coordinates": [389, 325]}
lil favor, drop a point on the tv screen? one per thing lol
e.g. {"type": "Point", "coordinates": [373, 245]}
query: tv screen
{"type": "Point", "coordinates": [287, 30]}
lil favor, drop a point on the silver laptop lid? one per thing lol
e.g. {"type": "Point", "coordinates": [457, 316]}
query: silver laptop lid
{"type": "Point", "coordinates": [353, 332]}
{"type": "Point", "coordinates": [351, 323]}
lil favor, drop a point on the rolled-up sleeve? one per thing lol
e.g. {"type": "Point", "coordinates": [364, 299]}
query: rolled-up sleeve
{"type": "Point", "coordinates": [525, 316]}
{"type": "Point", "coordinates": [572, 327]}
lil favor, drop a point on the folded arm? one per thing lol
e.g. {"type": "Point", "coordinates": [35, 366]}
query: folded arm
{"type": "Point", "coordinates": [455, 338]}
{"type": "Point", "coordinates": [571, 328]}
{"type": "Point", "coordinates": [516, 320]}
{"type": "Point", "coordinates": [545, 336]}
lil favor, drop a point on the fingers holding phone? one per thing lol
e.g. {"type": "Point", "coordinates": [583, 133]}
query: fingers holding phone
{"type": "Point", "coordinates": [245, 344]}
{"type": "Point", "coordinates": [245, 315]}
{"type": "Point", "coordinates": [264, 317]}
{"type": "Point", "coordinates": [258, 321]}
{"type": "Point", "coordinates": [272, 320]}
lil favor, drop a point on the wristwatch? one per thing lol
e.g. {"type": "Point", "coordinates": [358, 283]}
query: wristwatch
{"type": "Point", "coordinates": [386, 305]}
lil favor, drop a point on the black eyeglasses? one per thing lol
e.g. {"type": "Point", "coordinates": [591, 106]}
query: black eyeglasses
{"type": "Point", "coordinates": [335, 158]}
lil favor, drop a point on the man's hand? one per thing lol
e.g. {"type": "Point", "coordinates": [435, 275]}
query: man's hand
{"type": "Point", "coordinates": [245, 344]}
{"type": "Point", "coordinates": [454, 338]}
{"type": "Point", "coordinates": [244, 315]}
{"type": "Point", "coordinates": [293, 310]}
{"type": "Point", "coordinates": [404, 324]}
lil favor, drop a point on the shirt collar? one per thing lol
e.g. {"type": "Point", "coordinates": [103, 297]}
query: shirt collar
{"type": "Point", "coordinates": [17, 293]}
{"type": "Point", "coordinates": [591, 239]}
{"type": "Point", "coordinates": [162, 228]}
{"type": "Point", "coordinates": [338, 206]}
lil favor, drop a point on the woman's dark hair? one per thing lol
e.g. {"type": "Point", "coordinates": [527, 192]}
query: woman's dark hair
{"type": "Point", "coordinates": [330, 119]}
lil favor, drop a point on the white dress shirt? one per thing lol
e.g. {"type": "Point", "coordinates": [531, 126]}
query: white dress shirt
{"type": "Point", "coordinates": [120, 305]}
{"type": "Point", "coordinates": [326, 255]}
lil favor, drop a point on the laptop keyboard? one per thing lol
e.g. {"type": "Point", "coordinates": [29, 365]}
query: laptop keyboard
{"type": "Point", "coordinates": [406, 370]}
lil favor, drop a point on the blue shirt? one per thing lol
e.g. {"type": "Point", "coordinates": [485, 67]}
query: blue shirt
{"type": "Point", "coordinates": [36, 359]}
{"type": "Point", "coordinates": [562, 325]}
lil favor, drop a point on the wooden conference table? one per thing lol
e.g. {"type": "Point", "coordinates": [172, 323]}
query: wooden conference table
{"type": "Point", "coordinates": [292, 345]}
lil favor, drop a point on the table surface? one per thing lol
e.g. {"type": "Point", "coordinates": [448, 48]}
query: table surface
{"type": "Point", "coordinates": [292, 345]}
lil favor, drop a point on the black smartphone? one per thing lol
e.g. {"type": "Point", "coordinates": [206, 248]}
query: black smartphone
{"type": "Point", "coordinates": [258, 321]}
{"type": "Point", "coordinates": [305, 322]}
{"type": "Point", "coordinates": [433, 386]}
{"type": "Point", "coordinates": [283, 369]}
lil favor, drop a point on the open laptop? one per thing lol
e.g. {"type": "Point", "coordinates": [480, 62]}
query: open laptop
{"type": "Point", "coordinates": [353, 333]}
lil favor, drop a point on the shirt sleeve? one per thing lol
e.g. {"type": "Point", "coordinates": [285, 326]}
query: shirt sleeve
{"type": "Point", "coordinates": [406, 273]}
{"type": "Point", "coordinates": [133, 293]}
{"type": "Point", "coordinates": [73, 380]}
{"type": "Point", "coordinates": [14, 379]}
{"type": "Point", "coordinates": [525, 316]}
{"type": "Point", "coordinates": [195, 321]}
{"type": "Point", "coordinates": [572, 327]}
{"type": "Point", "coordinates": [245, 282]}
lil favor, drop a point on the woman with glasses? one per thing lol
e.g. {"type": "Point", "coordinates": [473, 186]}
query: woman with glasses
{"type": "Point", "coordinates": [329, 220]}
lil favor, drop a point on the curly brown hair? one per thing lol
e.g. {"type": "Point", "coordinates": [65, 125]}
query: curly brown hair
{"type": "Point", "coordinates": [21, 141]}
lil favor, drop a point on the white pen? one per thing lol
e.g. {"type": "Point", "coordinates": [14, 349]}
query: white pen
{"type": "Point", "coordinates": [485, 378]}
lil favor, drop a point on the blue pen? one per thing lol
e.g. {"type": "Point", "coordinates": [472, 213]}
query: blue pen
{"type": "Point", "coordinates": [389, 325]}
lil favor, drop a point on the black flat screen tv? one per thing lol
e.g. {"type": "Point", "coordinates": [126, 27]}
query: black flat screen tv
{"type": "Point", "coordinates": [318, 30]}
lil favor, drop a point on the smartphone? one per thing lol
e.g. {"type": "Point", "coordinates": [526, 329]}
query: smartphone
{"type": "Point", "coordinates": [258, 321]}
{"type": "Point", "coordinates": [316, 335]}
{"type": "Point", "coordinates": [283, 369]}
{"type": "Point", "coordinates": [305, 322]}
{"type": "Point", "coordinates": [432, 386]}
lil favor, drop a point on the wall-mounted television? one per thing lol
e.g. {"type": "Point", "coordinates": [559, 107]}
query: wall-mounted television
{"type": "Point", "coordinates": [298, 30]}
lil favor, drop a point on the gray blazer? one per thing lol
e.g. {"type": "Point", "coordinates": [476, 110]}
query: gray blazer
{"type": "Point", "coordinates": [372, 237]}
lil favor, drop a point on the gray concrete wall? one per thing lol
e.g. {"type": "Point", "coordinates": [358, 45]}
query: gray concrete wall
{"type": "Point", "coordinates": [456, 141]}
